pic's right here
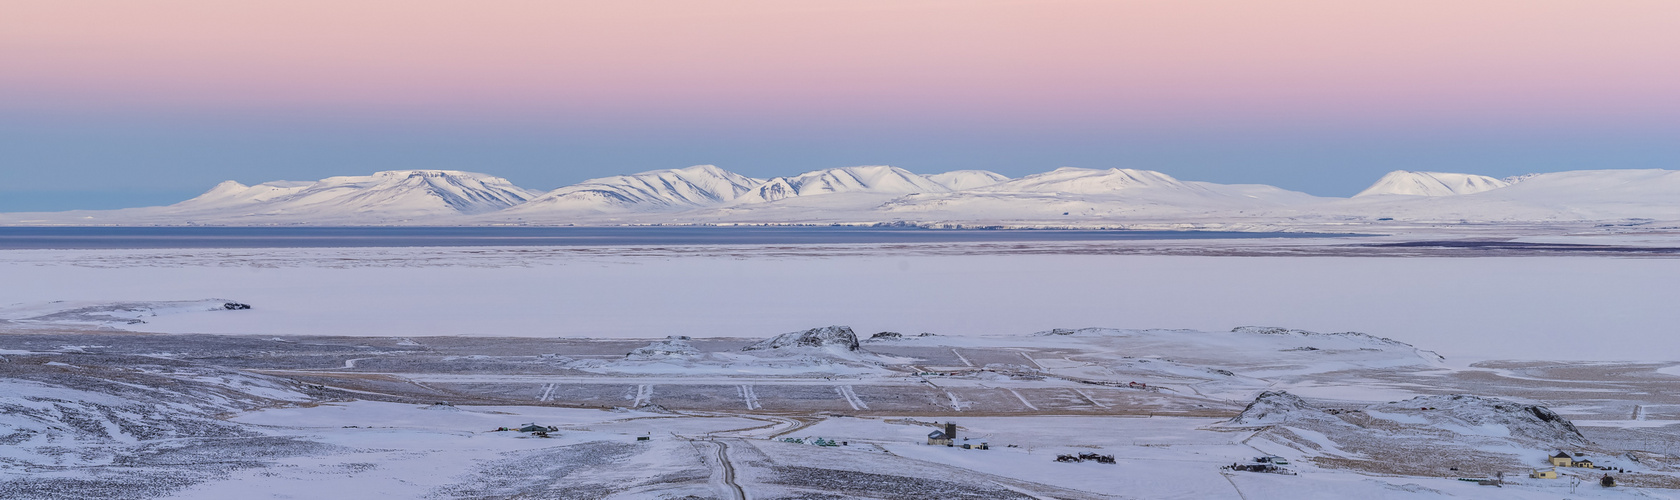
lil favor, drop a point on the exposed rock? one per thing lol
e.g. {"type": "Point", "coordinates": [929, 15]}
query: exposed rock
{"type": "Point", "coordinates": [675, 346]}
{"type": "Point", "coordinates": [1474, 412]}
{"type": "Point", "coordinates": [1272, 330]}
{"type": "Point", "coordinates": [815, 337]}
{"type": "Point", "coordinates": [1278, 407]}
{"type": "Point", "coordinates": [886, 336]}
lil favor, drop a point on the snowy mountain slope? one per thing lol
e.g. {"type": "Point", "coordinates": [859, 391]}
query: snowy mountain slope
{"type": "Point", "coordinates": [958, 180]}
{"type": "Point", "coordinates": [658, 190]}
{"type": "Point", "coordinates": [1090, 181]}
{"type": "Point", "coordinates": [1088, 193]}
{"type": "Point", "coordinates": [396, 194]}
{"type": "Point", "coordinates": [412, 196]}
{"type": "Point", "coordinates": [1402, 182]}
{"type": "Point", "coordinates": [865, 179]}
{"type": "Point", "coordinates": [417, 192]}
{"type": "Point", "coordinates": [232, 193]}
{"type": "Point", "coordinates": [1580, 195]}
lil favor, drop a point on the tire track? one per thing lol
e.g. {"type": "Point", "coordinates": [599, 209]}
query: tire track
{"type": "Point", "coordinates": [851, 396]}
{"type": "Point", "coordinates": [748, 396]}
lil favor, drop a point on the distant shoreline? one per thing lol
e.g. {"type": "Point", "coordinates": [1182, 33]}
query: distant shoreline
{"type": "Point", "coordinates": [44, 238]}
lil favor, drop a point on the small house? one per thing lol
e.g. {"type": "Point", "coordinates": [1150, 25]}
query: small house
{"type": "Point", "coordinates": [1582, 463]}
{"type": "Point", "coordinates": [1544, 474]}
{"type": "Point", "coordinates": [1561, 460]}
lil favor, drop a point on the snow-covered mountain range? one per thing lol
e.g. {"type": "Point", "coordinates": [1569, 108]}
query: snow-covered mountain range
{"type": "Point", "coordinates": [1065, 197]}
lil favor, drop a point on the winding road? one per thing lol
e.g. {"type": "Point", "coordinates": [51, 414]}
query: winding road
{"type": "Point", "coordinates": [728, 469]}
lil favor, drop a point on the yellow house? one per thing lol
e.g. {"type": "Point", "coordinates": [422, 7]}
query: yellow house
{"type": "Point", "coordinates": [1544, 474]}
{"type": "Point", "coordinates": [1561, 460]}
{"type": "Point", "coordinates": [1583, 464]}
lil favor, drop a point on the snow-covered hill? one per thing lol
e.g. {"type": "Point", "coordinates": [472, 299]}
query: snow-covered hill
{"type": "Point", "coordinates": [958, 180]}
{"type": "Point", "coordinates": [1402, 182]}
{"type": "Point", "coordinates": [867, 179]}
{"type": "Point", "coordinates": [1078, 195]}
{"type": "Point", "coordinates": [396, 193]}
{"type": "Point", "coordinates": [1580, 195]}
{"type": "Point", "coordinates": [658, 190]}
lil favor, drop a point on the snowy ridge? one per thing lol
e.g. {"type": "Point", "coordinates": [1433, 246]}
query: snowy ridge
{"type": "Point", "coordinates": [867, 179]}
{"type": "Point", "coordinates": [1352, 337]}
{"type": "Point", "coordinates": [1088, 181]}
{"type": "Point", "coordinates": [1087, 193]}
{"type": "Point", "coordinates": [1402, 182]}
{"type": "Point", "coordinates": [958, 180]}
{"type": "Point", "coordinates": [1065, 197]}
{"type": "Point", "coordinates": [390, 194]}
{"type": "Point", "coordinates": [658, 190]}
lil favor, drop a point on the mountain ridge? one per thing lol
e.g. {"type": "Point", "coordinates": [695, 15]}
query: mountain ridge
{"type": "Point", "coordinates": [881, 194]}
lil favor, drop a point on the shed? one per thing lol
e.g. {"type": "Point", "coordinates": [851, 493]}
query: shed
{"type": "Point", "coordinates": [1544, 474]}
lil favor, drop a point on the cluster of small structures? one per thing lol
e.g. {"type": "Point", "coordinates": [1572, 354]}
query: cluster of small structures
{"type": "Point", "coordinates": [817, 441]}
{"type": "Point", "coordinates": [1101, 459]}
{"type": "Point", "coordinates": [1269, 464]}
{"type": "Point", "coordinates": [1564, 459]}
{"type": "Point", "coordinates": [948, 437]}
{"type": "Point", "coordinates": [533, 429]}
{"type": "Point", "coordinates": [1129, 385]}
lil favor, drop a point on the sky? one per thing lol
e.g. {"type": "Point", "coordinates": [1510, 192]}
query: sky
{"type": "Point", "coordinates": [105, 104]}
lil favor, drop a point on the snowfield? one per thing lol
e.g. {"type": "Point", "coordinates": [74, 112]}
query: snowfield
{"type": "Point", "coordinates": [1524, 307]}
{"type": "Point", "coordinates": [1397, 368]}
{"type": "Point", "coordinates": [214, 416]}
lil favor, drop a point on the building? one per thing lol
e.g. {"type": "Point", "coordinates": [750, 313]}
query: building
{"type": "Point", "coordinates": [944, 437]}
{"type": "Point", "coordinates": [1585, 464]}
{"type": "Point", "coordinates": [1544, 474]}
{"type": "Point", "coordinates": [1561, 460]}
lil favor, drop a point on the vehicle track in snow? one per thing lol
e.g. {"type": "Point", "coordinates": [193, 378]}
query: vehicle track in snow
{"type": "Point", "coordinates": [851, 397]}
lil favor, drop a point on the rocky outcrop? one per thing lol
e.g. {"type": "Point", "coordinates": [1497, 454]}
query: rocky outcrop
{"type": "Point", "coordinates": [1277, 407]}
{"type": "Point", "coordinates": [675, 346]}
{"type": "Point", "coordinates": [1474, 413]}
{"type": "Point", "coordinates": [1352, 336]}
{"type": "Point", "coordinates": [840, 336]}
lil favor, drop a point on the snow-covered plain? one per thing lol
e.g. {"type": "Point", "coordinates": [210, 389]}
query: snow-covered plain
{"type": "Point", "coordinates": [1516, 308]}
{"type": "Point", "coordinates": [277, 410]}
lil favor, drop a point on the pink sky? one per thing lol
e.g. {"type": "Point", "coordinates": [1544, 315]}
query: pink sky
{"type": "Point", "coordinates": [1036, 60]}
